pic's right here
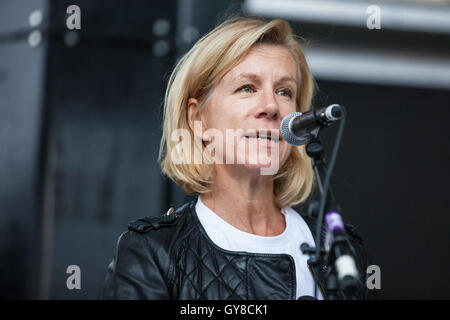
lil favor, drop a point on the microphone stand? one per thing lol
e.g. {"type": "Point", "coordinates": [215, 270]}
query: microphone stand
{"type": "Point", "coordinates": [318, 255]}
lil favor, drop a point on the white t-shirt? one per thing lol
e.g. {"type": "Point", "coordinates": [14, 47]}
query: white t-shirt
{"type": "Point", "coordinates": [297, 232]}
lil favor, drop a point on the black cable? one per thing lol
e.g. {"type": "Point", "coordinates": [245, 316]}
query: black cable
{"type": "Point", "coordinates": [326, 186]}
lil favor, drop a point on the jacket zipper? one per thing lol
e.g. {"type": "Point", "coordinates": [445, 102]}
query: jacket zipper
{"type": "Point", "coordinates": [317, 282]}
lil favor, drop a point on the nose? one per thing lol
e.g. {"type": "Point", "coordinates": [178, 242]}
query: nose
{"type": "Point", "coordinates": [269, 107]}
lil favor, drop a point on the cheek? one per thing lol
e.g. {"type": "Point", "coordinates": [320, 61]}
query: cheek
{"type": "Point", "coordinates": [223, 120]}
{"type": "Point", "coordinates": [218, 117]}
{"type": "Point", "coordinates": [285, 151]}
{"type": "Point", "coordinates": [287, 108]}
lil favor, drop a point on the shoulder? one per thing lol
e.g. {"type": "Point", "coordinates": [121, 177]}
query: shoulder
{"type": "Point", "coordinates": [147, 224]}
{"type": "Point", "coordinates": [163, 228]}
{"type": "Point", "coordinates": [153, 237]}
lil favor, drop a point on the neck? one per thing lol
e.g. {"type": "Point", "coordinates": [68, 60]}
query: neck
{"type": "Point", "coordinates": [246, 201]}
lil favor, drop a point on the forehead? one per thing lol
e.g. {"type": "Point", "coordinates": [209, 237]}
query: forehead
{"type": "Point", "coordinates": [264, 59]}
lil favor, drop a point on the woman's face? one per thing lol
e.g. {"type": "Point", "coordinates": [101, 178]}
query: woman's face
{"type": "Point", "coordinates": [250, 101]}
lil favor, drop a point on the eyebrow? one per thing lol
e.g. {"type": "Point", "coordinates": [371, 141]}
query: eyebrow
{"type": "Point", "coordinates": [255, 77]}
{"type": "Point", "coordinates": [287, 79]}
{"type": "Point", "coordinates": [247, 76]}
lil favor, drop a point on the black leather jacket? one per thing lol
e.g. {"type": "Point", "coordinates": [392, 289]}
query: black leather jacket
{"type": "Point", "coordinates": [172, 257]}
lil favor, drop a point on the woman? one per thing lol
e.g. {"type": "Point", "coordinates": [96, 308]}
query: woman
{"type": "Point", "coordinates": [240, 239]}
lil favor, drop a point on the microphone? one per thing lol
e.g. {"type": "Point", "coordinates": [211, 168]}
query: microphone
{"type": "Point", "coordinates": [298, 128]}
{"type": "Point", "coordinates": [341, 252]}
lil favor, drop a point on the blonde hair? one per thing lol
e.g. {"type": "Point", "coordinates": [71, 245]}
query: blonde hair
{"type": "Point", "coordinates": [195, 75]}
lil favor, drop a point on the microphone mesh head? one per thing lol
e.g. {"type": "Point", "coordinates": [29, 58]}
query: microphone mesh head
{"type": "Point", "coordinates": [286, 132]}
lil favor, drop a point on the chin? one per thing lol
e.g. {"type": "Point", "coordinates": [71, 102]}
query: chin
{"type": "Point", "coordinates": [263, 164]}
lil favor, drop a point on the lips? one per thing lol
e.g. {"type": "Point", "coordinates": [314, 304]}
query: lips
{"type": "Point", "coordinates": [264, 135]}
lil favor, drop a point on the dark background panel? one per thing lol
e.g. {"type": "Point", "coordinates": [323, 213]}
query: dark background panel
{"type": "Point", "coordinates": [80, 123]}
{"type": "Point", "coordinates": [22, 79]}
{"type": "Point", "coordinates": [105, 94]}
{"type": "Point", "coordinates": [391, 179]}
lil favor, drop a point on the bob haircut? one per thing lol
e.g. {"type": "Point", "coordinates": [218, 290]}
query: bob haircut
{"type": "Point", "coordinates": [195, 76]}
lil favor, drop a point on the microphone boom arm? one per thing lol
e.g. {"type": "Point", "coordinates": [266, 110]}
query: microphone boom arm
{"type": "Point", "coordinates": [347, 278]}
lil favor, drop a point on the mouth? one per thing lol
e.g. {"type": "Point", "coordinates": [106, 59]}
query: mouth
{"type": "Point", "coordinates": [264, 135]}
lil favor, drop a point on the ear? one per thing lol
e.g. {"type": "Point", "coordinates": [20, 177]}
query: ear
{"type": "Point", "coordinates": [194, 115]}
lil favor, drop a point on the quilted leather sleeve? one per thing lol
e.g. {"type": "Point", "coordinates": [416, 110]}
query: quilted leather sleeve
{"type": "Point", "coordinates": [136, 271]}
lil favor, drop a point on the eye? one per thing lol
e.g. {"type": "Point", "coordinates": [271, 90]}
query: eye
{"type": "Point", "coordinates": [285, 92]}
{"type": "Point", "coordinates": [247, 88]}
